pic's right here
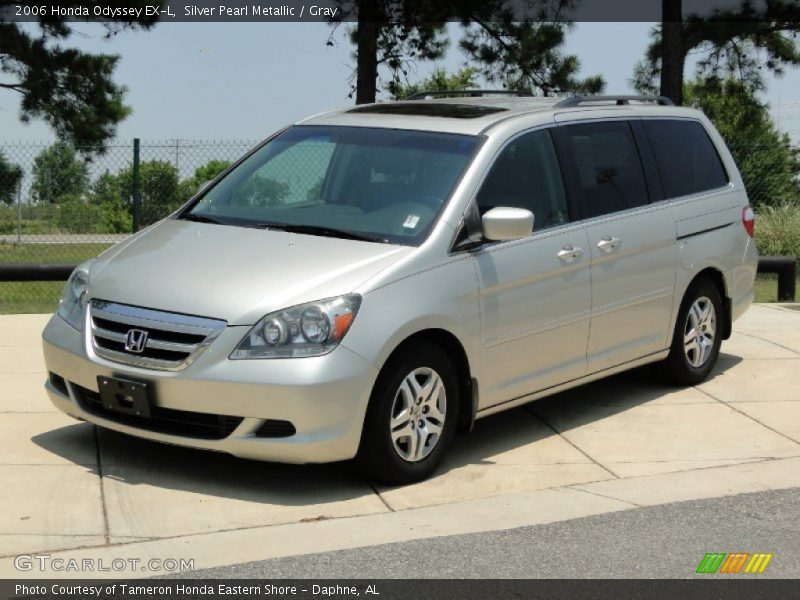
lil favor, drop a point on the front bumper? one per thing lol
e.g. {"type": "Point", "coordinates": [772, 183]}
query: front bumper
{"type": "Point", "coordinates": [325, 398]}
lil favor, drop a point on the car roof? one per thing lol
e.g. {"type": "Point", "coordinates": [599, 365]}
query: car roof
{"type": "Point", "coordinates": [476, 115]}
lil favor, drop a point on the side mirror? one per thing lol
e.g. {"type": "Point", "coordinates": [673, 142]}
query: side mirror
{"type": "Point", "coordinates": [505, 223]}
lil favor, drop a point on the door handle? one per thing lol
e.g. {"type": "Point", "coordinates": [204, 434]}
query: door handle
{"type": "Point", "coordinates": [608, 243]}
{"type": "Point", "coordinates": [569, 253]}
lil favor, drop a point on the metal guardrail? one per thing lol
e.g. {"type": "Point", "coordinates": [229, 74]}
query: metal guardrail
{"type": "Point", "coordinates": [784, 266]}
{"type": "Point", "coordinates": [35, 272]}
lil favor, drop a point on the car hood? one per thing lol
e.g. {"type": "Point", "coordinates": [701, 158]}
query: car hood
{"type": "Point", "coordinates": [234, 273]}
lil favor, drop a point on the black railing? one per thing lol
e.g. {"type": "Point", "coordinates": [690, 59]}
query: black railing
{"type": "Point", "coordinates": [784, 266]}
{"type": "Point", "coordinates": [35, 272]}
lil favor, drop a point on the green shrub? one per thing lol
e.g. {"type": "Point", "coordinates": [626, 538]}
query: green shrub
{"type": "Point", "coordinates": [777, 230]}
{"type": "Point", "coordinates": [35, 220]}
{"type": "Point", "coordinates": [77, 216]}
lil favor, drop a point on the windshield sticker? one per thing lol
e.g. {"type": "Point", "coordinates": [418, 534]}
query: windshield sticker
{"type": "Point", "coordinates": [411, 221]}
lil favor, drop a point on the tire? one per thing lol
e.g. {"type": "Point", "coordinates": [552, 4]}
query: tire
{"type": "Point", "coordinates": [691, 358]}
{"type": "Point", "coordinates": [411, 375]}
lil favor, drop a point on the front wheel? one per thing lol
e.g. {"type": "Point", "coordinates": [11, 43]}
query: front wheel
{"type": "Point", "coordinates": [698, 335]}
{"type": "Point", "coordinates": [411, 417]}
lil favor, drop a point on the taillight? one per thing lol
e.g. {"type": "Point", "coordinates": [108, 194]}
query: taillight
{"type": "Point", "coordinates": [748, 220]}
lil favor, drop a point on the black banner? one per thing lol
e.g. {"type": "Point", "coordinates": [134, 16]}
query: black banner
{"type": "Point", "coordinates": [396, 589]}
{"type": "Point", "coordinates": [346, 10]}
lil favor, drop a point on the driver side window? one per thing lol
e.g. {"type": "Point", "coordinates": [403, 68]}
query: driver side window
{"type": "Point", "coordinates": [526, 175]}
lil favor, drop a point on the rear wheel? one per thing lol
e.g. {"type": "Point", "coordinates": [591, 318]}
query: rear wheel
{"type": "Point", "coordinates": [412, 415]}
{"type": "Point", "coordinates": [698, 335]}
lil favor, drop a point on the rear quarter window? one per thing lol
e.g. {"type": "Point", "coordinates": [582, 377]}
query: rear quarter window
{"type": "Point", "coordinates": [686, 157]}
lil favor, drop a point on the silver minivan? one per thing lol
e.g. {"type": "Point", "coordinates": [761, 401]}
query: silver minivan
{"type": "Point", "coordinates": [371, 280]}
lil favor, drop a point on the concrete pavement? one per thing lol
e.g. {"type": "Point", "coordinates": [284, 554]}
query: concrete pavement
{"type": "Point", "coordinates": [77, 492]}
{"type": "Point", "coordinates": [666, 542]}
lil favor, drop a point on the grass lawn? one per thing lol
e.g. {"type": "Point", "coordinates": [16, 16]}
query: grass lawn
{"type": "Point", "coordinates": [39, 296]}
{"type": "Point", "coordinates": [29, 296]}
{"type": "Point", "coordinates": [767, 287]}
{"type": "Point", "coordinates": [49, 253]}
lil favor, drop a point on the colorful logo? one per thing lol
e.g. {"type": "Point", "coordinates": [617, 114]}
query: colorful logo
{"type": "Point", "coordinates": [734, 562]}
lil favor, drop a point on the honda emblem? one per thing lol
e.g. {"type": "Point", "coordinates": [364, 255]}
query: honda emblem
{"type": "Point", "coordinates": [135, 341]}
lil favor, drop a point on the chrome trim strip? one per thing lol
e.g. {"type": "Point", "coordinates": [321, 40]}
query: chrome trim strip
{"type": "Point", "coordinates": [147, 314]}
{"type": "Point", "coordinates": [155, 321]}
{"type": "Point", "coordinates": [141, 361]}
{"type": "Point", "coordinates": [108, 335]}
{"type": "Point", "coordinates": [702, 231]}
{"type": "Point", "coordinates": [171, 346]}
{"type": "Point", "coordinates": [151, 323]}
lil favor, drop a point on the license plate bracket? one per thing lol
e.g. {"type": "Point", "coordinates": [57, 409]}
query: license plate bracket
{"type": "Point", "coordinates": [125, 396]}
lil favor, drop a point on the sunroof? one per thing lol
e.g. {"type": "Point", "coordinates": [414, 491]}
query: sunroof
{"type": "Point", "coordinates": [429, 109]}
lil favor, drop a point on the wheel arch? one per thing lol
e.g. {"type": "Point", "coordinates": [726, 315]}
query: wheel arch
{"type": "Point", "coordinates": [467, 384]}
{"type": "Point", "coordinates": [717, 277]}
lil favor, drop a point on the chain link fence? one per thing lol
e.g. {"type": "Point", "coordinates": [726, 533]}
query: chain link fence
{"type": "Point", "coordinates": [62, 205]}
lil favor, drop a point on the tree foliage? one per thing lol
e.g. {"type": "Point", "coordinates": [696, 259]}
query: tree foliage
{"type": "Point", "coordinates": [71, 90]}
{"type": "Point", "coordinates": [10, 176]}
{"type": "Point", "coordinates": [744, 43]}
{"type": "Point", "coordinates": [203, 174]}
{"type": "Point", "coordinates": [388, 37]}
{"type": "Point", "coordinates": [439, 80]}
{"type": "Point", "coordinates": [770, 167]}
{"type": "Point", "coordinates": [159, 190]}
{"type": "Point", "coordinates": [524, 52]}
{"type": "Point", "coordinates": [111, 210]}
{"type": "Point", "coordinates": [58, 173]}
{"type": "Point", "coordinates": [210, 170]}
{"type": "Point", "coordinates": [519, 51]}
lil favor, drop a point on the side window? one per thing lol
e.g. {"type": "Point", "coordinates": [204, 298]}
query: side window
{"type": "Point", "coordinates": [526, 175]}
{"type": "Point", "coordinates": [686, 157]}
{"type": "Point", "coordinates": [609, 168]}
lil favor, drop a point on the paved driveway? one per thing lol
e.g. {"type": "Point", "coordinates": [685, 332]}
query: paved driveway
{"type": "Point", "coordinates": [74, 491]}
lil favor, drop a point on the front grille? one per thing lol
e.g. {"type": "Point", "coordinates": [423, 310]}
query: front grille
{"type": "Point", "coordinates": [183, 423]}
{"type": "Point", "coordinates": [171, 340]}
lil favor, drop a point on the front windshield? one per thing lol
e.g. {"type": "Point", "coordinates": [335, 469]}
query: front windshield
{"type": "Point", "coordinates": [378, 184]}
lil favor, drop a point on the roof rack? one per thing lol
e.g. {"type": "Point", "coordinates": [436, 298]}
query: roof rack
{"type": "Point", "coordinates": [618, 100]}
{"type": "Point", "coordinates": [468, 93]}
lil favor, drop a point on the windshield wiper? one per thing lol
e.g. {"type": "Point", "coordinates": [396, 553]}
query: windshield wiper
{"type": "Point", "coordinates": [323, 231]}
{"type": "Point", "coordinates": [201, 219]}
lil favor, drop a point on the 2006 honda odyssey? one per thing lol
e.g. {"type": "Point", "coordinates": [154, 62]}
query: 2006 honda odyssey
{"type": "Point", "coordinates": [372, 279]}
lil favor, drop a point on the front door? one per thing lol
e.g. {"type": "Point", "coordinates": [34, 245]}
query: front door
{"type": "Point", "coordinates": [535, 292]}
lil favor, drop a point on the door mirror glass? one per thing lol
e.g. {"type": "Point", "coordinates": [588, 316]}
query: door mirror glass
{"type": "Point", "coordinates": [506, 223]}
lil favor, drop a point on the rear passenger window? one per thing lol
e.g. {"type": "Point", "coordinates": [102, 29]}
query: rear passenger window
{"type": "Point", "coordinates": [526, 175]}
{"type": "Point", "coordinates": [609, 168]}
{"type": "Point", "coordinates": [686, 157]}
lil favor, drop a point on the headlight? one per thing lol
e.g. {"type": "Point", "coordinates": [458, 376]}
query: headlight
{"type": "Point", "coordinates": [311, 329]}
{"type": "Point", "coordinates": [73, 298]}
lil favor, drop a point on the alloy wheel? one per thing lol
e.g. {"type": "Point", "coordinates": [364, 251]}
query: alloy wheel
{"type": "Point", "coordinates": [418, 414]}
{"type": "Point", "coordinates": [699, 333]}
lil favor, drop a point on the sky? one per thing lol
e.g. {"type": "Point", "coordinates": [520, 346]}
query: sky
{"type": "Point", "coordinates": [200, 81]}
